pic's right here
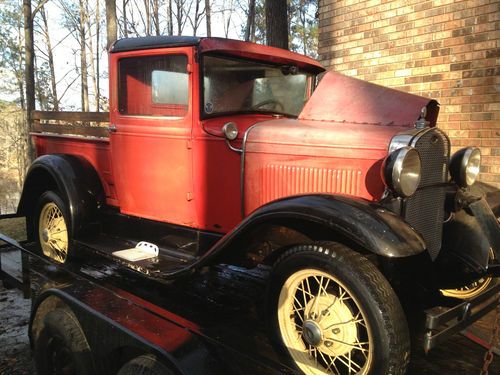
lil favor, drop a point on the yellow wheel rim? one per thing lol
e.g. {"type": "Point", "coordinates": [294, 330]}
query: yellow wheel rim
{"type": "Point", "coordinates": [53, 233]}
{"type": "Point", "coordinates": [471, 290]}
{"type": "Point", "coordinates": [323, 325]}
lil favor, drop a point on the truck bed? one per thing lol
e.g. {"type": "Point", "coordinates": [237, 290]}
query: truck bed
{"type": "Point", "coordinates": [84, 134]}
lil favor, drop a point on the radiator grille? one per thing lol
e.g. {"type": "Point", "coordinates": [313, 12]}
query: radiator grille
{"type": "Point", "coordinates": [425, 209]}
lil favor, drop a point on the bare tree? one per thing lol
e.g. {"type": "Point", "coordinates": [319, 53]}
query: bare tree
{"type": "Point", "coordinates": [28, 16]}
{"type": "Point", "coordinates": [250, 27]}
{"type": "Point", "coordinates": [125, 20]}
{"type": "Point", "coordinates": [197, 17]}
{"type": "Point", "coordinates": [156, 17]}
{"type": "Point", "coordinates": [111, 22]}
{"type": "Point", "coordinates": [83, 56]}
{"type": "Point", "coordinates": [208, 15]}
{"type": "Point", "coordinates": [94, 60]}
{"type": "Point", "coordinates": [227, 13]}
{"type": "Point", "coordinates": [147, 17]}
{"type": "Point", "coordinates": [181, 13]}
{"type": "Point", "coordinates": [170, 19]}
{"type": "Point", "coordinates": [277, 23]}
{"type": "Point", "coordinates": [50, 58]}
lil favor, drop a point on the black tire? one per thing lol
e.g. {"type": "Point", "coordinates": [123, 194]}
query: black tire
{"type": "Point", "coordinates": [61, 346]}
{"type": "Point", "coordinates": [144, 365]}
{"type": "Point", "coordinates": [56, 253]}
{"type": "Point", "coordinates": [371, 314]}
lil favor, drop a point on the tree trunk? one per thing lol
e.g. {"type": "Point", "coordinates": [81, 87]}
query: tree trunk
{"type": "Point", "coordinates": [277, 23]}
{"type": "Point", "coordinates": [53, 82]}
{"type": "Point", "coordinates": [250, 20]}
{"type": "Point", "coordinates": [93, 71]}
{"type": "Point", "coordinates": [180, 11]}
{"type": "Point", "coordinates": [98, 60]}
{"type": "Point", "coordinates": [170, 19]}
{"type": "Point", "coordinates": [156, 17]}
{"type": "Point", "coordinates": [83, 59]}
{"type": "Point", "coordinates": [147, 23]}
{"type": "Point", "coordinates": [125, 26]}
{"type": "Point", "coordinates": [29, 73]}
{"type": "Point", "coordinates": [208, 15]}
{"type": "Point", "coordinates": [110, 22]}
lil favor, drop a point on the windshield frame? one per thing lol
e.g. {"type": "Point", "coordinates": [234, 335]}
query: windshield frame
{"type": "Point", "coordinates": [201, 62]}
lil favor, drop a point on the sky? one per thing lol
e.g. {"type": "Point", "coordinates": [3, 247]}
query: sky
{"type": "Point", "coordinates": [67, 55]}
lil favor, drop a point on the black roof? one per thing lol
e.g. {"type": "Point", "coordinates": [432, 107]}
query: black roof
{"type": "Point", "coordinates": [149, 42]}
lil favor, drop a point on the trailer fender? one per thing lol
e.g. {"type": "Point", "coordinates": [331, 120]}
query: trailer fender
{"type": "Point", "coordinates": [74, 177]}
{"type": "Point", "coordinates": [111, 343]}
{"type": "Point", "coordinates": [326, 217]}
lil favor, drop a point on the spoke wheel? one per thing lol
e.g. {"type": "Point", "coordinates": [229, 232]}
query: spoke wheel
{"type": "Point", "coordinates": [52, 227]}
{"type": "Point", "coordinates": [332, 312]}
{"type": "Point", "coordinates": [323, 325]}
{"type": "Point", "coordinates": [473, 289]}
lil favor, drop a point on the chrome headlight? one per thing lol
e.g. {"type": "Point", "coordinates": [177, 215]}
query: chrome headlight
{"type": "Point", "coordinates": [401, 171]}
{"type": "Point", "coordinates": [465, 165]}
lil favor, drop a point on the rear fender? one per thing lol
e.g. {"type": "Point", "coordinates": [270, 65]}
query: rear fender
{"type": "Point", "coordinates": [325, 217]}
{"type": "Point", "coordinates": [74, 178]}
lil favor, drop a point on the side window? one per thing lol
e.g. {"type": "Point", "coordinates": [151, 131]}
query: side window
{"type": "Point", "coordinates": [153, 86]}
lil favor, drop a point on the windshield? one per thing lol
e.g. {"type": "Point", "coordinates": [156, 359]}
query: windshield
{"type": "Point", "coordinates": [232, 85]}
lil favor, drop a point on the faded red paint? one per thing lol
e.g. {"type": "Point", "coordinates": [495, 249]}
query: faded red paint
{"type": "Point", "coordinates": [340, 98]}
{"type": "Point", "coordinates": [180, 170]}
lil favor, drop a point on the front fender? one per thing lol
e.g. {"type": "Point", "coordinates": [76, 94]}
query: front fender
{"type": "Point", "coordinates": [367, 224]}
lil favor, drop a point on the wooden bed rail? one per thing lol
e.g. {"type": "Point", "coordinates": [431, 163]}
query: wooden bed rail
{"type": "Point", "coordinates": [90, 124]}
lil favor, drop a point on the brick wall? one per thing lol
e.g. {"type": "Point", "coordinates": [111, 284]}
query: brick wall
{"type": "Point", "coordinates": [445, 49]}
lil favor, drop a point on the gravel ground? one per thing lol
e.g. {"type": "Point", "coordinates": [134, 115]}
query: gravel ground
{"type": "Point", "coordinates": [15, 354]}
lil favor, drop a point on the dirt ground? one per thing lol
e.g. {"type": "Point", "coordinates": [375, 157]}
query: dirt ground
{"type": "Point", "coordinates": [15, 354]}
{"type": "Point", "coordinates": [459, 356]}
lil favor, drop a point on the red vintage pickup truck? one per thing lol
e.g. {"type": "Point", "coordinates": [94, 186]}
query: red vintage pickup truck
{"type": "Point", "coordinates": [221, 151]}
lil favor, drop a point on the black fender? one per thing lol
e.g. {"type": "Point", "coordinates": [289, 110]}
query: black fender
{"type": "Point", "coordinates": [327, 217]}
{"type": "Point", "coordinates": [75, 179]}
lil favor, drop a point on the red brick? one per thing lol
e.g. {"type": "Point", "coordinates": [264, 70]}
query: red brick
{"type": "Point", "coordinates": [444, 49]}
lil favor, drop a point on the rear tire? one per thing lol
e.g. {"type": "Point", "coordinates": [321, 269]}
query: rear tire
{"type": "Point", "coordinates": [61, 346]}
{"type": "Point", "coordinates": [144, 365]}
{"type": "Point", "coordinates": [53, 227]}
{"type": "Point", "coordinates": [334, 312]}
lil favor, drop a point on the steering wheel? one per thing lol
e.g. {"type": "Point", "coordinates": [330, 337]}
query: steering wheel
{"type": "Point", "coordinates": [277, 104]}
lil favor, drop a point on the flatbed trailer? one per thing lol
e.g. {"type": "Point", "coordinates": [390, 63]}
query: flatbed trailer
{"type": "Point", "coordinates": [206, 327]}
{"type": "Point", "coordinates": [191, 329]}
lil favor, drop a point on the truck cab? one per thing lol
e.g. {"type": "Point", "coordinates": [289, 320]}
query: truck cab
{"type": "Point", "coordinates": [226, 152]}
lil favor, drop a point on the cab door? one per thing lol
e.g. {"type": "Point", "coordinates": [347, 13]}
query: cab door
{"type": "Point", "coordinates": [151, 123]}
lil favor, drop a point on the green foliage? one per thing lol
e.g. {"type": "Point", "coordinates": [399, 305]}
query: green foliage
{"type": "Point", "coordinates": [303, 26]}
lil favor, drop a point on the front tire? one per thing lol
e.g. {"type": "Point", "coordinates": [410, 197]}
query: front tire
{"type": "Point", "coordinates": [334, 312]}
{"type": "Point", "coordinates": [52, 226]}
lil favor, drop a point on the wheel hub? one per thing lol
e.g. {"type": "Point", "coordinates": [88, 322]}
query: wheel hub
{"type": "Point", "coordinates": [45, 235]}
{"type": "Point", "coordinates": [312, 333]}
{"type": "Point", "coordinates": [332, 321]}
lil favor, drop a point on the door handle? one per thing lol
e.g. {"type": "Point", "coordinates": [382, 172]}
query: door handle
{"type": "Point", "coordinates": [112, 128]}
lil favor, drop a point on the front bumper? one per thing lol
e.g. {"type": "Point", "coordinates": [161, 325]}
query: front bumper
{"type": "Point", "coordinates": [441, 323]}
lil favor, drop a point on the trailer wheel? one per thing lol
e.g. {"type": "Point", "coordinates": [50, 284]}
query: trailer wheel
{"type": "Point", "coordinates": [61, 346]}
{"type": "Point", "coordinates": [144, 365]}
{"type": "Point", "coordinates": [334, 312]}
{"type": "Point", "coordinates": [52, 226]}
